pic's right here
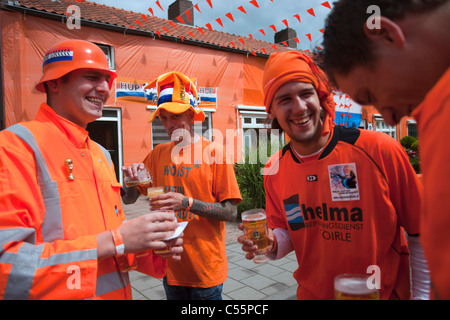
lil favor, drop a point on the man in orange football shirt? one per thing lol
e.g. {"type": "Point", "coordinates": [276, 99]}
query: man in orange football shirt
{"type": "Point", "coordinates": [398, 60]}
{"type": "Point", "coordinates": [201, 190]}
{"type": "Point", "coordinates": [341, 198]}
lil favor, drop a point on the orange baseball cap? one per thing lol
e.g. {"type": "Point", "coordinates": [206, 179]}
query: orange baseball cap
{"type": "Point", "coordinates": [176, 94]}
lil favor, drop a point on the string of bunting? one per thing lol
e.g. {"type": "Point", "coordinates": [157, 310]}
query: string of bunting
{"type": "Point", "coordinates": [230, 16]}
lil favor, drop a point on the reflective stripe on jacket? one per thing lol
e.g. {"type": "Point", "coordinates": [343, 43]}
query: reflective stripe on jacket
{"type": "Point", "coordinates": [49, 223]}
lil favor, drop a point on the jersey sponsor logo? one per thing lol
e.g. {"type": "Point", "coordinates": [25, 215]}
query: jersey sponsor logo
{"type": "Point", "coordinates": [343, 182]}
{"type": "Point", "coordinates": [331, 220]}
{"type": "Point", "coordinates": [311, 178]}
{"type": "Point", "coordinates": [293, 212]}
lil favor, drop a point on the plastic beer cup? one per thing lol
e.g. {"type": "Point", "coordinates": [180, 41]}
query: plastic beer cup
{"type": "Point", "coordinates": [351, 286]}
{"type": "Point", "coordinates": [255, 229]}
{"type": "Point", "coordinates": [151, 192]}
{"type": "Point", "coordinates": [143, 178]}
{"type": "Point", "coordinates": [168, 245]}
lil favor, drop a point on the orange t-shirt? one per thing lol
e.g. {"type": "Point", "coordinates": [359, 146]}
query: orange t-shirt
{"type": "Point", "coordinates": [195, 174]}
{"type": "Point", "coordinates": [346, 211]}
{"type": "Point", "coordinates": [433, 116]}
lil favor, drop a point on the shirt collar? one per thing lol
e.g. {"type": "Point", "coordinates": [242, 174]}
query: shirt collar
{"type": "Point", "coordinates": [77, 135]}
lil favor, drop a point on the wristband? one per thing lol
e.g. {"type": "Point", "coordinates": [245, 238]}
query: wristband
{"type": "Point", "coordinates": [118, 242]}
{"type": "Point", "coordinates": [190, 202]}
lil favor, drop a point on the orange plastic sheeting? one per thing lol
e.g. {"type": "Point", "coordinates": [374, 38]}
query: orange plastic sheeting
{"type": "Point", "coordinates": [253, 73]}
{"type": "Point", "coordinates": [236, 77]}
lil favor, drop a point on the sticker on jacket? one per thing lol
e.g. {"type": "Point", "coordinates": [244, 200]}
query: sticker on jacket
{"type": "Point", "coordinates": [293, 212]}
{"type": "Point", "coordinates": [343, 182]}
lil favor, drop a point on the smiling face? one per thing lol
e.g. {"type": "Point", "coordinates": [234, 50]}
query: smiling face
{"type": "Point", "coordinates": [80, 95]}
{"type": "Point", "coordinates": [296, 107]}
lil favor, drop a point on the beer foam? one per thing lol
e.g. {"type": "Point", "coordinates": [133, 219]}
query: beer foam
{"type": "Point", "coordinates": [356, 285]}
{"type": "Point", "coordinates": [254, 217]}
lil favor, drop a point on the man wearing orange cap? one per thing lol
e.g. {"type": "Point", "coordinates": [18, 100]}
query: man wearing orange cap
{"type": "Point", "coordinates": [62, 234]}
{"type": "Point", "coordinates": [200, 187]}
{"type": "Point", "coordinates": [339, 197]}
{"type": "Point", "coordinates": [399, 62]}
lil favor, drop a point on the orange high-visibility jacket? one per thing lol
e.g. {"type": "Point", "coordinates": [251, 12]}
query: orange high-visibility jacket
{"type": "Point", "coordinates": [49, 222]}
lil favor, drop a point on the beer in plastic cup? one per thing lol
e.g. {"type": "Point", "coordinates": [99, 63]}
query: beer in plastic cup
{"type": "Point", "coordinates": [255, 229]}
{"type": "Point", "coordinates": [151, 192]}
{"type": "Point", "coordinates": [350, 286]}
{"type": "Point", "coordinates": [143, 178]}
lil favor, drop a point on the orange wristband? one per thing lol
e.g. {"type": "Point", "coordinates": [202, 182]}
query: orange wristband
{"type": "Point", "coordinates": [118, 242]}
{"type": "Point", "coordinates": [191, 201]}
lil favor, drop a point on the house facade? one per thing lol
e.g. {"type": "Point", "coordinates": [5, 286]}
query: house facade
{"type": "Point", "coordinates": [228, 71]}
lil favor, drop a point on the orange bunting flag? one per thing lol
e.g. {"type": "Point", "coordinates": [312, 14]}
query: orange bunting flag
{"type": "Point", "coordinates": [322, 30]}
{"type": "Point", "coordinates": [275, 47]}
{"type": "Point", "coordinates": [196, 7]}
{"type": "Point", "coordinates": [191, 34]}
{"type": "Point", "coordinates": [232, 43]}
{"type": "Point", "coordinates": [311, 12]}
{"type": "Point", "coordinates": [209, 2]}
{"type": "Point", "coordinates": [262, 31]}
{"type": "Point", "coordinates": [296, 40]}
{"type": "Point", "coordinates": [131, 27]}
{"type": "Point", "coordinates": [251, 36]}
{"type": "Point", "coordinates": [263, 50]}
{"type": "Point", "coordinates": [201, 31]}
{"type": "Point", "coordinates": [230, 16]}
{"type": "Point", "coordinates": [172, 24]}
{"type": "Point", "coordinates": [273, 28]}
{"type": "Point", "coordinates": [159, 5]}
{"type": "Point", "coordinates": [253, 2]}
{"type": "Point", "coordinates": [297, 16]}
{"type": "Point", "coordinates": [144, 17]}
{"type": "Point", "coordinates": [208, 25]}
{"type": "Point", "coordinates": [286, 23]}
{"type": "Point", "coordinates": [219, 21]}
{"type": "Point", "coordinates": [285, 43]}
{"type": "Point", "coordinates": [319, 47]}
{"type": "Point", "coordinates": [138, 22]}
{"type": "Point", "coordinates": [309, 36]}
{"type": "Point", "coordinates": [165, 29]}
{"type": "Point", "coordinates": [241, 40]}
{"type": "Point", "coordinates": [181, 20]}
{"type": "Point", "coordinates": [188, 14]}
{"type": "Point", "coordinates": [254, 53]}
{"type": "Point", "coordinates": [159, 34]}
{"type": "Point", "coordinates": [182, 38]}
{"type": "Point", "coordinates": [326, 4]}
{"type": "Point", "coordinates": [151, 11]}
{"type": "Point", "coordinates": [242, 9]}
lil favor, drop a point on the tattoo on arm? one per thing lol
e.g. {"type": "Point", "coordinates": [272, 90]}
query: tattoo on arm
{"type": "Point", "coordinates": [221, 211]}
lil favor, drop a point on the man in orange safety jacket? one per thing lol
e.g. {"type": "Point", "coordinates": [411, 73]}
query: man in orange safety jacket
{"type": "Point", "coordinates": [62, 229]}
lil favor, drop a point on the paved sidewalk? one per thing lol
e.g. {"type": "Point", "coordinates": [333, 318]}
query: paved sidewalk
{"type": "Point", "coordinates": [246, 279]}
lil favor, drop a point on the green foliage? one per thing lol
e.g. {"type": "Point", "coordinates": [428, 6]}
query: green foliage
{"type": "Point", "coordinates": [411, 146]}
{"type": "Point", "coordinates": [251, 185]}
{"type": "Point", "coordinates": [407, 142]}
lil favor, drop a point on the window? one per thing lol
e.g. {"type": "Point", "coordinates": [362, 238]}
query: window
{"type": "Point", "coordinates": [382, 126]}
{"type": "Point", "coordinates": [411, 127]}
{"type": "Point", "coordinates": [109, 52]}
{"type": "Point", "coordinates": [257, 135]}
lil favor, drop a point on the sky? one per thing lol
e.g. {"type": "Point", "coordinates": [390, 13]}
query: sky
{"type": "Point", "coordinates": [269, 12]}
